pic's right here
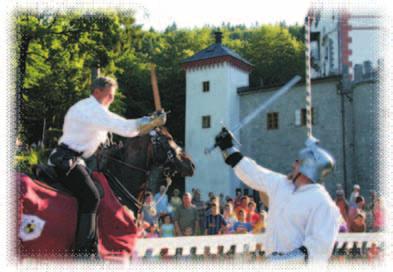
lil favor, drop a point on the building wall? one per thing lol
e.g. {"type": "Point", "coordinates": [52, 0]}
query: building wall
{"type": "Point", "coordinates": [327, 26]}
{"type": "Point", "coordinates": [346, 39]}
{"type": "Point", "coordinates": [222, 104]}
{"type": "Point", "coordinates": [277, 149]}
{"type": "Point", "coordinates": [365, 112]}
{"type": "Point", "coordinates": [345, 124]}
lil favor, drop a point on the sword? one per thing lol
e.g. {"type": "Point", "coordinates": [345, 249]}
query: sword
{"type": "Point", "coordinates": [154, 84]}
{"type": "Point", "coordinates": [283, 90]}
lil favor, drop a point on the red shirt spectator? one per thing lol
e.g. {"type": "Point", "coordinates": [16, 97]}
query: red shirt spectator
{"type": "Point", "coordinates": [244, 200]}
{"type": "Point", "coordinates": [252, 216]}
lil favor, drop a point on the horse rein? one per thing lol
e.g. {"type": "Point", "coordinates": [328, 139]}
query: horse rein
{"type": "Point", "coordinates": [136, 200]}
{"type": "Point", "coordinates": [166, 174]}
{"type": "Point", "coordinates": [146, 172]}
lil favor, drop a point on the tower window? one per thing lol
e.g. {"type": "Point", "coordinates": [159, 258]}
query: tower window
{"type": "Point", "coordinates": [206, 121]}
{"type": "Point", "coordinates": [206, 86]}
{"type": "Point", "coordinates": [272, 120]}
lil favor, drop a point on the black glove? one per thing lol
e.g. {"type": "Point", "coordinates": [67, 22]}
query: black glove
{"type": "Point", "coordinates": [224, 139]}
{"type": "Point", "coordinates": [224, 142]}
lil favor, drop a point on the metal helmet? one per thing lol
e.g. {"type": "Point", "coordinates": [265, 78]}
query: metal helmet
{"type": "Point", "coordinates": [315, 162]}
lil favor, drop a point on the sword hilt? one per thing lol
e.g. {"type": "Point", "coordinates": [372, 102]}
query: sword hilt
{"type": "Point", "coordinates": [233, 137]}
{"type": "Point", "coordinates": [208, 150]}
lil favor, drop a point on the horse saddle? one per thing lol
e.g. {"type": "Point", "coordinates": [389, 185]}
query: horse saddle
{"type": "Point", "coordinates": [48, 175]}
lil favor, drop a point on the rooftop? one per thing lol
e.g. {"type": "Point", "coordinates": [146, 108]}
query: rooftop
{"type": "Point", "coordinates": [269, 88]}
{"type": "Point", "coordinates": [216, 50]}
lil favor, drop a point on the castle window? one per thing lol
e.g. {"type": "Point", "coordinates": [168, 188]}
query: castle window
{"type": "Point", "coordinates": [206, 121]}
{"type": "Point", "coordinates": [206, 86]}
{"type": "Point", "coordinates": [304, 117]}
{"type": "Point", "coordinates": [272, 120]}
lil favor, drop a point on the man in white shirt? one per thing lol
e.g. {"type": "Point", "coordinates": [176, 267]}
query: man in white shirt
{"type": "Point", "coordinates": [303, 220]}
{"type": "Point", "coordinates": [86, 126]}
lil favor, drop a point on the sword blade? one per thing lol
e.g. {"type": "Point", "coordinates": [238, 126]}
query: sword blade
{"type": "Point", "coordinates": [283, 90]}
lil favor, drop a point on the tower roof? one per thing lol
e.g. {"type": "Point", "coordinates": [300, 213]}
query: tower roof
{"type": "Point", "coordinates": [216, 53]}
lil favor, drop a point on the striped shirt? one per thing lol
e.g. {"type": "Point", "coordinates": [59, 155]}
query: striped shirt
{"type": "Point", "coordinates": [214, 223]}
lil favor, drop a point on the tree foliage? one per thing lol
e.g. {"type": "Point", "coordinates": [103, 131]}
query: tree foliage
{"type": "Point", "coordinates": [57, 53]}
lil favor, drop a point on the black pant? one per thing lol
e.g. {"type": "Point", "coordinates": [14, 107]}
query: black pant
{"type": "Point", "coordinates": [82, 186]}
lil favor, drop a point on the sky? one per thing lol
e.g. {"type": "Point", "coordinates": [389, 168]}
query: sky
{"type": "Point", "coordinates": [189, 14]}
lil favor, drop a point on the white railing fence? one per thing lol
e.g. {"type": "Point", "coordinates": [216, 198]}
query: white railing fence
{"type": "Point", "coordinates": [236, 244]}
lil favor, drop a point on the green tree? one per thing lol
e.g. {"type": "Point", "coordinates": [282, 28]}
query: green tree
{"type": "Point", "coordinates": [276, 54]}
{"type": "Point", "coordinates": [57, 55]}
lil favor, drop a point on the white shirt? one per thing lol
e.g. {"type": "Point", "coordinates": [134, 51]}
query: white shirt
{"type": "Point", "coordinates": [87, 123]}
{"type": "Point", "coordinates": [306, 216]}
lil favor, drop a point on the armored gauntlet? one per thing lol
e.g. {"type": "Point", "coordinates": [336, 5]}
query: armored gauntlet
{"type": "Point", "coordinates": [147, 123]}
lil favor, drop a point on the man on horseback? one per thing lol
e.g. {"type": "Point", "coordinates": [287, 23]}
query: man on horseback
{"type": "Point", "coordinates": [303, 220]}
{"type": "Point", "coordinates": [86, 125]}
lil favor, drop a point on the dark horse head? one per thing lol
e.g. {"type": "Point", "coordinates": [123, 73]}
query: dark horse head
{"type": "Point", "coordinates": [142, 163]}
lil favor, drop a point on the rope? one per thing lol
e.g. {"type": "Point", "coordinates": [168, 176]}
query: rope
{"type": "Point", "coordinates": [308, 77]}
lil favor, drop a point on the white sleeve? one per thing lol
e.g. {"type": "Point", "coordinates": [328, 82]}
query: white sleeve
{"type": "Point", "coordinates": [321, 232]}
{"type": "Point", "coordinates": [106, 120]}
{"type": "Point", "coordinates": [258, 177]}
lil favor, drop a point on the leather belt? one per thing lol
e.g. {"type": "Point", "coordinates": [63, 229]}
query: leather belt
{"type": "Point", "coordinates": [65, 147]}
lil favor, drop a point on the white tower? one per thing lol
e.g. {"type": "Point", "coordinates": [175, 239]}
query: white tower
{"type": "Point", "coordinates": [213, 76]}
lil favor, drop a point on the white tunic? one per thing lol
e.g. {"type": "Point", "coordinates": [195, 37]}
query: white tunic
{"type": "Point", "coordinates": [306, 216]}
{"type": "Point", "coordinates": [87, 123]}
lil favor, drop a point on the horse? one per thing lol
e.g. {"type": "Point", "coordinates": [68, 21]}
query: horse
{"type": "Point", "coordinates": [47, 212]}
{"type": "Point", "coordinates": [131, 172]}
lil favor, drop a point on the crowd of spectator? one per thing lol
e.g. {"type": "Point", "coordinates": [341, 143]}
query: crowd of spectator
{"type": "Point", "coordinates": [188, 214]}
{"type": "Point", "coordinates": [356, 214]}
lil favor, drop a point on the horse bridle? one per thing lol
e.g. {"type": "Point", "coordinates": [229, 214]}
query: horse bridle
{"type": "Point", "coordinates": [170, 154]}
{"type": "Point", "coordinates": [156, 143]}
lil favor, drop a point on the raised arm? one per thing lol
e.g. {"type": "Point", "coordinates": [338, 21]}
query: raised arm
{"type": "Point", "coordinates": [101, 118]}
{"type": "Point", "coordinates": [247, 170]}
{"type": "Point", "coordinates": [258, 177]}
